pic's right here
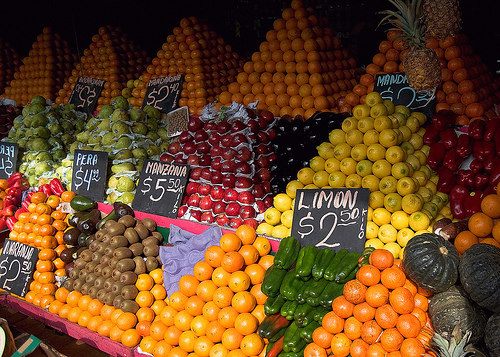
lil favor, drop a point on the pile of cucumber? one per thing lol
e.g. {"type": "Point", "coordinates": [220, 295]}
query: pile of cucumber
{"type": "Point", "coordinates": [300, 287]}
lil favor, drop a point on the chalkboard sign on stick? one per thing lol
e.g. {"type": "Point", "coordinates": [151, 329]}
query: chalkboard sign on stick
{"type": "Point", "coordinates": [394, 86]}
{"type": "Point", "coordinates": [163, 93]}
{"type": "Point", "coordinates": [17, 264]}
{"type": "Point", "coordinates": [89, 174]}
{"type": "Point", "coordinates": [160, 189]}
{"type": "Point", "coordinates": [8, 159]}
{"type": "Point", "coordinates": [86, 93]}
{"type": "Point", "coordinates": [332, 218]}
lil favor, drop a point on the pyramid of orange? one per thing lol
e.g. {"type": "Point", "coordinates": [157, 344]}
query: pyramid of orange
{"type": "Point", "coordinates": [467, 87]}
{"type": "Point", "coordinates": [9, 63]}
{"type": "Point", "coordinates": [208, 63]}
{"type": "Point", "coordinates": [111, 56]}
{"type": "Point", "coordinates": [44, 71]}
{"type": "Point", "coordinates": [300, 68]}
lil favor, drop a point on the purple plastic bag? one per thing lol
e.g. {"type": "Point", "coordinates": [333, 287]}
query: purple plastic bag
{"type": "Point", "coordinates": [188, 249]}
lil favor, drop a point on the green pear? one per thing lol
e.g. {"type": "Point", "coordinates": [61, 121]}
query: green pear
{"type": "Point", "coordinates": [37, 108]}
{"type": "Point", "coordinates": [124, 166]}
{"type": "Point", "coordinates": [120, 128]}
{"type": "Point", "coordinates": [123, 142]}
{"type": "Point", "coordinates": [111, 198]}
{"type": "Point", "coordinates": [105, 111]}
{"type": "Point", "coordinates": [70, 106]}
{"type": "Point", "coordinates": [139, 128]}
{"type": "Point", "coordinates": [67, 126]}
{"type": "Point", "coordinates": [59, 172]}
{"type": "Point", "coordinates": [59, 155]}
{"type": "Point", "coordinates": [104, 125]}
{"type": "Point", "coordinates": [17, 123]}
{"type": "Point", "coordinates": [94, 139]}
{"type": "Point", "coordinates": [83, 136]}
{"type": "Point", "coordinates": [42, 168]}
{"type": "Point", "coordinates": [67, 162]}
{"type": "Point", "coordinates": [28, 133]}
{"type": "Point", "coordinates": [152, 112]}
{"type": "Point", "coordinates": [153, 150]}
{"type": "Point", "coordinates": [75, 145]}
{"type": "Point", "coordinates": [113, 181]}
{"type": "Point", "coordinates": [42, 132]}
{"type": "Point", "coordinates": [119, 115]}
{"type": "Point", "coordinates": [38, 99]}
{"type": "Point", "coordinates": [108, 139]}
{"type": "Point", "coordinates": [140, 153]}
{"type": "Point", "coordinates": [153, 136]}
{"type": "Point", "coordinates": [125, 184]}
{"type": "Point", "coordinates": [152, 124]}
{"type": "Point", "coordinates": [137, 114]}
{"type": "Point", "coordinates": [56, 142]}
{"type": "Point", "coordinates": [23, 167]}
{"type": "Point", "coordinates": [162, 133]}
{"type": "Point", "coordinates": [27, 121]}
{"type": "Point", "coordinates": [22, 143]}
{"type": "Point", "coordinates": [43, 156]}
{"type": "Point", "coordinates": [67, 139]}
{"type": "Point", "coordinates": [139, 165]}
{"type": "Point", "coordinates": [88, 147]}
{"type": "Point", "coordinates": [68, 114]}
{"type": "Point", "coordinates": [26, 111]}
{"type": "Point", "coordinates": [91, 124]}
{"type": "Point", "coordinates": [56, 128]}
{"type": "Point", "coordinates": [164, 146]}
{"type": "Point", "coordinates": [33, 181]}
{"type": "Point", "coordinates": [120, 102]}
{"type": "Point", "coordinates": [39, 119]}
{"type": "Point", "coordinates": [39, 144]}
{"type": "Point", "coordinates": [11, 134]}
{"type": "Point", "coordinates": [127, 198]}
{"type": "Point", "coordinates": [123, 155]}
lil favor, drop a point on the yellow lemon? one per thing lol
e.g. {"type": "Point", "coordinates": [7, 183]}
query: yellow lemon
{"type": "Point", "coordinates": [425, 193]}
{"type": "Point", "coordinates": [416, 140]}
{"type": "Point", "coordinates": [421, 157]}
{"type": "Point", "coordinates": [317, 163]}
{"type": "Point", "coordinates": [426, 170]}
{"type": "Point", "coordinates": [404, 235]}
{"type": "Point", "coordinates": [432, 208]}
{"type": "Point", "coordinates": [272, 216]}
{"type": "Point", "coordinates": [421, 117]}
{"type": "Point", "coordinates": [358, 152]}
{"type": "Point", "coordinates": [375, 152]}
{"type": "Point", "coordinates": [305, 175]}
{"type": "Point", "coordinates": [336, 136]}
{"type": "Point", "coordinates": [394, 248]}
{"type": "Point", "coordinates": [408, 147]}
{"type": "Point", "coordinates": [375, 243]}
{"type": "Point", "coordinates": [388, 185]}
{"type": "Point", "coordinates": [326, 150]}
{"type": "Point", "coordinates": [379, 110]}
{"type": "Point", "coordinates": [370, 137]}
{"type": "Point", "coordinates": [373, 98]}
{"type": "Point", "coordinates": [413, 161]}
{"type": "Point", "coordinates": [406, 186]}
{"type": "Point", "coordinates": [400, 220]}
{"type": "Point", "coordinates": [280, 231]}
{"type": "Point", "coordinates": [413, 124]}
{"type": "Point", "coordinates": [371, 230]}
{"type": "Point", "coordinates": [342, 151]}
{"type": "Point", "coordinates": [425, 149]}
{"type": "Point", "coordinates": [392, 202]}
{"type": "Point", "coordinates": [365, 123]}
{"type": "Point", "coordinates": [400, 170]}
{"type": "Point", "coordinates": [431, 185]}
{"type": "Point", "coordinates": [332, 164]}
{"type": "Point", "coordinates": [388, 138]}
{"type": "Point", "coordinates": [438, 201]}
{"type": "Point", "coordinates": [286, 218]}
{"type": "Point", "coordinates": [264, 228]}
{"type": "Point", "coordinates": [419, 221]}
{"type": "Point", "coordinates": [381, 216]}
{"type": "Point", "coordinates": [405, 131]}
{"type": "Point", "coordinates": [389, 105]}
{"type": "Point", "coordinates": [382, 122]}
{"type": "Point", "coordinates": [310, 186]}
{"type": "Point", "coordinates": [349, 123]}
{"type": "Point", "coordinates": [376, 199]}
{"type": "Point", "coordinates": [364, 168]}
{"type": "Point", "coordinates": [282, 202]}
{"type": "Point", "coordinates": [354, 137]}
{"type": "Point", "coordinates": [434, 178]}
{"type": "Point", "coordinates": [348, 165]}
{"type": "Point", "coordinates": [353, 181]}
{"type": "Point", "coordinates": [361, 111]}
{"type": "Point", "coordinates": [411, 203]}
{"type": "Point", "coordinates": [320, 178]}
{"type": "Point", "coordinates": [337, 179]}
{"type": "Point", "coordinates": [381, 168]}
{"type": "Point", "coordinates": [387, 233]}
{"type": "Point", "coordinates": [403, 109]}
{"type": "Point", "coordinates": [420, 177]}
{"type": "Point", "coordinates": [369, 216]}
{"type": "Point", "coordinates": [292, 187]}
{"type": "Point", "coordinates": [370, 182]}
{"type": "Point", "coordinates": [395, 154]}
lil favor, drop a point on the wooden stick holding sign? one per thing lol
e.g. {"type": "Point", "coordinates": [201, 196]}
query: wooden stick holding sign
{"type": "Point", "coordinates": [332, 218]}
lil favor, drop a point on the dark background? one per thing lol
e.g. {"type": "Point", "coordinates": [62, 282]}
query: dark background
{"type": "Point", "coordinates": [149, 22]}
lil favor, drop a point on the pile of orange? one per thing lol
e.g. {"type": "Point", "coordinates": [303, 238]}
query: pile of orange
{"type": "Point", "coordinates": [484, 226]}
{"type": "Point", "coordinates": [218, 308]}
{"type": "Point", "coordinates": [381, 313]}
{"type": "Point", "coordinates": [206, 61]}
{"type": "Point", "coordinates": [44, 71]}
{"type": "Point", "coordinates": [111, 56]}
{"type": "Point", "coordinates": [300, 68]}
{"type": "Point", "coordinates": [43, 226]}
{"type": "Point", "coordinates": [467, 87]}
{"type": "Point", "coordinates": [9, 64]}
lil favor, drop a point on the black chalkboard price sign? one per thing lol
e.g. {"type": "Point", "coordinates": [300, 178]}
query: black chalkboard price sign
{"type": "Point", "coordinates": [160, 189]}
{"type": "Point", "coordinates": [89, 173]}
{"type": "Point", "coordinates": [333, 218]}
{"type": "Point", "coordinates": [163, 93]}
{"type": "Point", "coordinates": [86, 93]}
{"type": "Point", "coordinates": [8, 159]}
{"type": "Point", "coordinates": [17, 264]}
{"type": "Point", "coordinates": [394, 86]}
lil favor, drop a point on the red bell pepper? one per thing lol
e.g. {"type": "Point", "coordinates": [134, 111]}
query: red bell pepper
{"type": "Point", "coordinates": [436, 155]}
{"type": "Point", "coordinates": [446, 180]}
{"type": "Point", "coordinates": [8, 211]}
{"type": "Point", "coordinates": [457, 200]}
{"type": "Point", "coordinates": [464, 145]}
{"type": "Point", "coordinates": [10, 221]}
{"type": "Point", "coordinates": [443, 119]}
{"type": "Point", "coordinates": [482, 150]}
{"type": "Point", "coordinates": [472, 203]}
{"type": "Point", "coordinates": [465, 178]}
{"type": "Point", "coordinates": [3, 223]}
{"type": "Point", "coordinates": [496, 140]}
{"type": "Point", "coordinates": [481, 180]}
{"type": "Point", "coordinates": [476, 166]}
{"type": "Point", "coordinates": [490, 163]}
{"type": "Point", "coordinates": [45, 189]}
{"type": "Point", "coordinates": [19, 211]}
{"type": "Point", "coordinates": [491, 127]}
{"type": "Point", "coordinates": [495, 176]}
{"type": "Point", "coordinates": [13, 178]}
{"type": "Point", "coordinates": [476, 129]}
{"type": "Point", "coordinates": [11, 200]}
{"type": "Point", "coordinates": [489, 190]}
{"type": "Point", "coordinates": [25, 204]}
{"type": "Point", "coordinates": [451, 159]}
{"type": "Point", "coordinates": [449, 138]}
{"type": "Point", "coordinates": [57, 187]}
{"type": "Point", "coordinates": [431, 135]}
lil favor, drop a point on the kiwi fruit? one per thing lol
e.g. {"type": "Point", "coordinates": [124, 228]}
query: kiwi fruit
{"type": "Point", "coordinates": [83, 274]}
{"type": "Point", "coordinates": [96, 256]}
{"type": "Point", "coordinates": [108, 223]}
{"type": "Point", "coordinates": [110, 296]}
{"type": "Point", "coordinates": [91, 266]}
{"type": "Point", "coordinates": [118, 241]}
{"type": "Point", "coordinates": [118, 301]}
{"type": "Point", "coordinates": [80, 263]}
{"type": "Point", "coordinates": [151, 240]}
{"type": "Point", "coordinates": [91, 278]}
{"type": "Point", "coordinates": [131, 235]}
{"type": "Point", "coordinates": [116, 229]}
{"type": "Point", "coordinates": [94, 245]}
{"type": "Point", "coordinates": [107, 271]}
{"type": "Point", "coordinates": [68, 284]}
{"type": "Point", "coordinates": [151, 250]}
{"type": "Point", "coordinates": [109, 251]}
{"type": "Point", "coordinates": [100, 234]}
{"type": "Point", "coordinates": [106, 238]}
{"type": "Point", "coordinates": [108, 283]}
{"type": "Point", "coordinates": [129, 306]}
{"type": "Point", "coordinates": [127, 220]}
{"type": "Point", "coordinates": [101, 247]}
{"type": "Point", "coordinates": [116, 274]}
{"type": "Point", "coordinates": [158, 236]}
{"type": "Point", "coordinates": [151, 264]}
{"type": "Point", "coordinates": [74, 273]}
{"type": "Point", "coordinates": [98, 269]}
{"type": "Point", "coordinates": [128, 277]}
{"type": "Point", "coordinates": [99, 282]}
{"type": "Point", "coordinates": [129, 291]}
{"type": "Point", "coordinates": [112, 262]}
{"type": "Point", "coordinates": [140, 265]}
{"type": "Point", "coordinates": [86, 255]}
{"type": "Point", "coordinates": [122, 253]}
{"type": "Point", "coordinates": [125, 265]}
{"type": "Point", "coordinates": [85, 288]}
{"type": "Point", "coordinates": [142, 231]}
{"type": "Point", "coordinates": [137, 249]}
{"type": "Point", "coordinates": [101, 295]}
{"type": "Point", "coordinates": [149, 224]}
{"type": "Point", "coordinates": [117, 287]}
{"type": "Point", "coordinates": [77, 284]}
{"type": "Point", "coordinates": [93, 292]}
{"type": "Point", "coordinates": [104, 260]}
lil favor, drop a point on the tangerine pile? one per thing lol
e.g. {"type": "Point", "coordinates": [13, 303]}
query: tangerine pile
{"type": "Point", "coordinates": [111, 56]}
{"type": "Point", "coordinates": [206, 61]}
{"type": "Point", "coordinates": [218, 308]}
{"type": "Point", "coordinates": [9, 64]}
{"type": "Point", "coordinates": [44, 71]}
{"type": "Point", "coordinates": [300, 68]}
{"type": "Point", "coordinates": [467, 87]}
{"type": "Point", "coordinates": [484, 226]}
{"type": "Point", "coordinates": [381, 313]}
{"type": "Point", "coordinates": [43, 226]}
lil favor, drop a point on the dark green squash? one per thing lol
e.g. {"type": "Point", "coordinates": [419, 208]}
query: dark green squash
{"type": "Point", "coordinates": [492, 335]}
{"type": "Point", "coordinates": [480, 275]}
{"type": "Point", "coordinates": [452, 307]}
{"type": "Point", "coordinates": [431, 262]}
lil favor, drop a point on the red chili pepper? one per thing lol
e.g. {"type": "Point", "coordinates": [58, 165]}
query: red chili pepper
{"type": "Point", "coordinates": [457, 199]}
{"type": "Point", "coordinates": [29, 195]}
{"type": "Point", "coordinates": [446, 180]}
{"type": "Point", "coordinates": [482, 150]}
{"type": "Point", "coordinates": [491, 127]}
{"type": "Point", "coordinates": [464, 145]}
{"type": "Point", "coordinates": [25, 204]}
{"type": "Point", "coordinates": [465, 178]}
{"type": "Point", "coordinates": [444, 119]}
{"type": "Point", "coordinates": [436, 155]}
{"type": "Point", "coordinates": [476, 129]}
{"type": "Point", "coordinates": [481, 180]}
{"type": "Point", "coordinates": [449, 138]}
{"type": "Point", "coordinates": [476, 165]}
{"type": "Point", "coordinates": [8, 211]}
{"type": "Point", "coordinates": [10, 221]}
{"type": "Point", "coordinates": [451, 159]}
{"type": "Point", "coordinates": [45, 189]}
{"type": "Point", "coordinates": [431, 134]}
{"type": "Point", "coordinates": [472, 203]}
{"type": "Point", "coordinates": [57, 187]}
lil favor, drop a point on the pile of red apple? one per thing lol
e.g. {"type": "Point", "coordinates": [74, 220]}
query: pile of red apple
{"type": "Point", "coordinates": [229, 182]}
{"type": "Point", "coordinates": [7, 115]}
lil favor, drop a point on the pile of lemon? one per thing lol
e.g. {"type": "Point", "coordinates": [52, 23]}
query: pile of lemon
{"type": "Point", "coordinates": [380, 147]}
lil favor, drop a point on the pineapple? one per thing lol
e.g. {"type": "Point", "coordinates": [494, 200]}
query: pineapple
{"type": "Point", "coordinates": [456, 347]}
{"type": "Point", "coordinates": [421, 64]}
{"type": "Point", "coordinates": [442, 18]}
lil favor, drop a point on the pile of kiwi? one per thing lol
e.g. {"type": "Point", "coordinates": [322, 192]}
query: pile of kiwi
{"type": "Point", "coordinates": [108, 268]}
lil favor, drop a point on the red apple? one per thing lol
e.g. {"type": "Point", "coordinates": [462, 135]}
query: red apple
{"type": "Point", "coordinates": [237, 125]}
{"type": "Point", "coordinates": [244, 154]}
{"type": "Point", "coordinates": [222, 219]}
{"type": "Point", "coordinates": [214, 138]}
{"type": "Point", "coordinates": [185, 200]}
{"type": "Point", "coordinates": [267, 115]}
{"type": "Point", "coordinates": [231, 195]}
{"type": "Point", "coordinates": [216, 150]}
{"type": "Point", "coordinates": [207, 217]}
{"type": "Point", "coordinates": [192, 159]}
{"type": "Point", "coordinates": [167, 157]}
{"type": "Point", "coordinates": [185, 136]}
{"type": "Point", "coordinates": [218, 207]}
{"type": "Point", "coordinates": [216, 163]}
{"type": "Point", "coordinates": [196, 214]}
{"type": "Point", "coordinates": [228, 153]}
{"type": "Point", "coordinates": [258, 191]}
{"type": "Point", "coordinates": [192, 188]}
{"type": "Point", "coordinates": [271, 134]}
{"type": "Point", "coordinates": [204, 147]}
{"type": "Point", "coordinates": [194, 200]}
{"type": "Point", "coordinates": [235, 222]}
{"type": "Point", "coordinates": [206, 203]}
{"type": "Point", "coordinates": [204, 160]}
{"type": "Point", "coordinates": [262, 161]}
{"type": "Point", "coordinates": [228, 180]}
{"type": "Point", "coordinates": [267, 186]}
{"type": "Point", "coordinates": [239, 138]}
{"type": "Point", "coordinates": [204, 189]}
{"type": "Point", "coordinates": [174, 148]}
{"type": "Point", "coordinates": [243, 182]}
{"type": "Point", "coordinates": [247, 211]}
{"type": "Point", "coordinates": [242, 168]}
{"type": "Point", "coordinates": [246, 197]}
{"type": "Point", "coordinates": [261, 206]}
{"type": "Point", "coordinates": [200, 135]}
{"type": "Point", "coordinates": [263, 137]}
{"type": "Point", "coordinates": [268, 201]}
{"type": "Point", "coordinates": [253, 125]}
{"type": "Point", "coordinates": [210, 126]}
{"type": "Point", "coordinates": [180, 160]}
{"type": "Point", "coordinates": [194, 124]}
{"type": "Point", "coordinates": [262, 123]}
{"type": "Point", "coordinates": [251, 113]}
{"type": "Point", "coordinates": [226, 140]}
{"type": "Point", "coordinates": [189, 148]}
{"type": "Point", "coordinates": [264, 174]}
{"type": "Point", "coordinates": [252, 222]}
{"type": "Point", "coordinates": [271, 157]}
{"type": "Point", "coordinates": [223, 127]}
{"type": "Point", "coordinates": [206, 173]}
{"type": "Point", "coordinates": [182, 211]}
{"type": "Point", "coordinates": [262, 149]}
{"type": "Point", "coordinates": [217, 192]}
{"type": "Point", "coordinates": [216, 177]}
{"type": "Point", "coordinates": [232, 209]}
{"type": "Point", "coordinates": [228, 166]}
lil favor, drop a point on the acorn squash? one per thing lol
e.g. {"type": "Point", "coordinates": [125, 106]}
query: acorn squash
{"type": "Point", "coordinates": [480, 275]}
{"type": "Point", "coordinates": [431, 262]}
